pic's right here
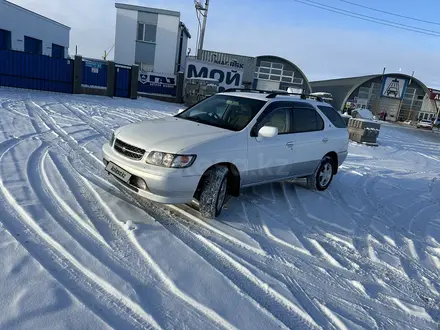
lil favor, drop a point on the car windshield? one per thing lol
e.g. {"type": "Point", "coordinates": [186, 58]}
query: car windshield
{"type": "Point", "coordinates": [225, 111]}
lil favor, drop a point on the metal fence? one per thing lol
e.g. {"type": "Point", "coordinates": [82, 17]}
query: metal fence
{"type": "Point", "coordinates": [33, 71]}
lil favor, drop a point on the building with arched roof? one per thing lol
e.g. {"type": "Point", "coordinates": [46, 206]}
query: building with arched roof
{"type": "Point", "coordinates": [277, 73]}
{"type": "Point", "coordinates": [398, 94]}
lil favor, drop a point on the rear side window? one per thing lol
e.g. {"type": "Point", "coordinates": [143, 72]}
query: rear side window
{"type": "Point", "coordinates": [306, 120]}
{"type": "Point", "coordinates": [333, 116]}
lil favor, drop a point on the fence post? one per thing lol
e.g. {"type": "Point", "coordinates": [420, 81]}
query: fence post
{"type": "Point", "coordinates": [77, 74]}
{"type": "Point", "coordinates": [134, 82]}
{"type": "Point", "coordinates": [111, 78]}
{"type": "Point", "coordinates": [180, 82]}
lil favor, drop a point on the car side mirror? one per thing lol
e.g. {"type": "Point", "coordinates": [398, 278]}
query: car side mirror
{"type": "Point", "coordinates": [267, 132]}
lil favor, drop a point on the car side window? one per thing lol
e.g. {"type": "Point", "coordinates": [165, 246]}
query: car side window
{"type": "Point", "coordinates": [279, 118]}
{"type": "Point", "coordinates": [306, 120]}
{"type": "Point", "coordinates": [332, 115]}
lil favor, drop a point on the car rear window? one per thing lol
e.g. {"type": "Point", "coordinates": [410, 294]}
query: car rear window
{"type": "Point", "coordinates": [333, 116]}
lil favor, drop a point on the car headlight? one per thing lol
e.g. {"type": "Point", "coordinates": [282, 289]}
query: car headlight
{"type": "Point", "coordinates": [112, 139]}
{"type": "Point", "coordinates": [170, 160]}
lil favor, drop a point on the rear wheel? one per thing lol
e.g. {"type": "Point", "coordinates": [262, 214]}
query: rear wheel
{"type": "Point", "coordinates": [321, 179]}
{"type": "Point", "coordinates": [214, 192]}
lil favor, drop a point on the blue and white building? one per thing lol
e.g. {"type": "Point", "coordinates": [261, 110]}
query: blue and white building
{"type": "Point", "coordinates": [24, 30]}
{"type": "Point", "coordinates": [155, 39]}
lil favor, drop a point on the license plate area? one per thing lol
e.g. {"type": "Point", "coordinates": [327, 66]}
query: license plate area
{"type": "Point", "coordinates": [118, 172]}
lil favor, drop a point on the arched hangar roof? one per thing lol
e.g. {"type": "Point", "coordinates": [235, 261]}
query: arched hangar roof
{"type": "Point", "coordinates": [342, 88]}
{"type": "Point", "coordinates": [289, 63]}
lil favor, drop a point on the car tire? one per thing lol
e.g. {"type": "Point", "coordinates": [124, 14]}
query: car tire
{"type": "Point", "coordinates": [322, 177]}
{"type": "Point", "coordinates": [214, 192]}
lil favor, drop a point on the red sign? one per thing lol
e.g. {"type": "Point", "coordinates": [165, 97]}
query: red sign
{"type": "Point", "coordinates": [434, 94]}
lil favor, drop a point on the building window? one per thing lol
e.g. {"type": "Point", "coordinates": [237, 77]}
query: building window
{"type": "Point", "coordinates": [57, 51]}
{"type": "Point", "coordinates": [145, 67]}
{"type": "Point", "coordinates": [5, 39]}
{"type": "Point", "coordinates": [33, 46]}
{"type": "Point", "coordinates": [147, 32]}
{"type": "Point", "coordinates": [275, 72]}
{"type": "Point", "coordinates": [298, 81]}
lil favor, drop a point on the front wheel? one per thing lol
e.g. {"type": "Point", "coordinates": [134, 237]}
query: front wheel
{"type": "Point", "coordinates": [213, 193]}
{"type": "Point", "coordinates": [321, 179]}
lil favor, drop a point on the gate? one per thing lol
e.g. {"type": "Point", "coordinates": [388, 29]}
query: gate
{"type": "Point", "coordinates": [94, 74]}
{"type": "Point", "coordinates": [33, 71]}
{"type": "Point", "coordinates": [122, 80]}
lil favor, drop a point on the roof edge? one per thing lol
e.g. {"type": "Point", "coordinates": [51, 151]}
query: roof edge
{"type": "Point", "coordinates": [147, 9]}
{"type": "Point", "coordinates": [36, 14]}
{"type": "Point", "coordinates": [185, 29]}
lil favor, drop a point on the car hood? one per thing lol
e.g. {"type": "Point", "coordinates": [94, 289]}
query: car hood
{"type": "Point", "coordinates": [169, 134]}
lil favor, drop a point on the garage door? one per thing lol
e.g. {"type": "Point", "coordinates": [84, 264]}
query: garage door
{"type": "Point", "coordinates": [267, 85]}
{"type": "Point", "coordinates": [391, 106]}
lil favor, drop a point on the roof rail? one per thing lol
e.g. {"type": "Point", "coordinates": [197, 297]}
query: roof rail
{"type": "Point", "coordinates": [246, 90]}
{"type": "Point", "coordinates": [302, 95]}
{"type": "Point", "coordinates": [272, 94]}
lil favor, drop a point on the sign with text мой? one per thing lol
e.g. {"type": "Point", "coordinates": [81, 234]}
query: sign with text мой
{"type": "Point", "coordinates": [227, 76]}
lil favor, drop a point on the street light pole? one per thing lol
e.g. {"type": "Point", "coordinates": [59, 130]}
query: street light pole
{"type": "Point", "coordinates": [204, 12]}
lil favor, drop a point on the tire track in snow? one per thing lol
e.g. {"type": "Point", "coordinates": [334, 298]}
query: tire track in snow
{"type": "Point", "coordinates": [7, 107]}
{"type": "Point", "coordinates": [211, 255]}
{"type": "Point", "coordinates": [73, 144]}
{"type": "Point", "coordinates": [341, 277]}
{"type": "Point", "coordinates": [92, 230]}
{"type": "Point", "coordinates": [91, 284]}
{"type": "Point", "coordinates": [155, 267]}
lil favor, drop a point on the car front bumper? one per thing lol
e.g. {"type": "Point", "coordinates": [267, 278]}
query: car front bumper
{"type": "Point", "coordinates": [164, 185]}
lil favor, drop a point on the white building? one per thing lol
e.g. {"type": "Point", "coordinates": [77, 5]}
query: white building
{"type": "Point", "coordinates": [24, 30]}
{"type": "Point", "coordinates": [154, 39]}
{"type": "Point", "coordinates": [431, 105]}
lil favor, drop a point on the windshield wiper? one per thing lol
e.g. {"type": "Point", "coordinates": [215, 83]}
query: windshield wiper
{"type": "Point", "coordinates": [201, 121]}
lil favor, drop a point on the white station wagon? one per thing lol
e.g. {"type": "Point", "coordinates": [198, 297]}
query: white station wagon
{"type": "Point", "coordinates": [231, 140]}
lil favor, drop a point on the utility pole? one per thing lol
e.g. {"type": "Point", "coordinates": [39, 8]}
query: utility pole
{"type": "Point", "coordinates": [204, 12]}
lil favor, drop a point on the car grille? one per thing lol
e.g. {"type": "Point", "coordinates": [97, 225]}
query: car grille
{"type": "Point", "coordinates": [128, 150]}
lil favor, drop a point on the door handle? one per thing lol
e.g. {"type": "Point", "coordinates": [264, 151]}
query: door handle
{"type": "Point", "coordinates": [290, 144]}
{"type": "Point", "coordinates": [325, 140]}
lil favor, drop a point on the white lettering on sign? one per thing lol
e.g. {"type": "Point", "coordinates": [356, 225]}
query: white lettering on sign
{"type": "Point", "coordinates": [227, 76]}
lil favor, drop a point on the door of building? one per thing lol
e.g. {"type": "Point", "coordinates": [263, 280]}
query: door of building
{"type": "Point", "coordinates": [390, 106]}
{"type": "Point", "coordinates": [267, 85]}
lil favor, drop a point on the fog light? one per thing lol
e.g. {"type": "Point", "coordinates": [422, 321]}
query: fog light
{"type": "Point", "coordinates": [140, 183]}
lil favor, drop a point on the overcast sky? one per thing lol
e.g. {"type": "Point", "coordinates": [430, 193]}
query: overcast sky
{"type": "Point", "coordinates": [323, 44]}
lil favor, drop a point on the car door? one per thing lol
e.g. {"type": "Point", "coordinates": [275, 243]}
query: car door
{"type": "Point", "coordinates": [335, 131]}
{"type": "Point", "coordinates": [271, 158]}
{"type": "Point", "coordinates": [310, 139]}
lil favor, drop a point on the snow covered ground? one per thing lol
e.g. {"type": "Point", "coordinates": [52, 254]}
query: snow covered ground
{"type": "Point", "coordinates": [76, 251]}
